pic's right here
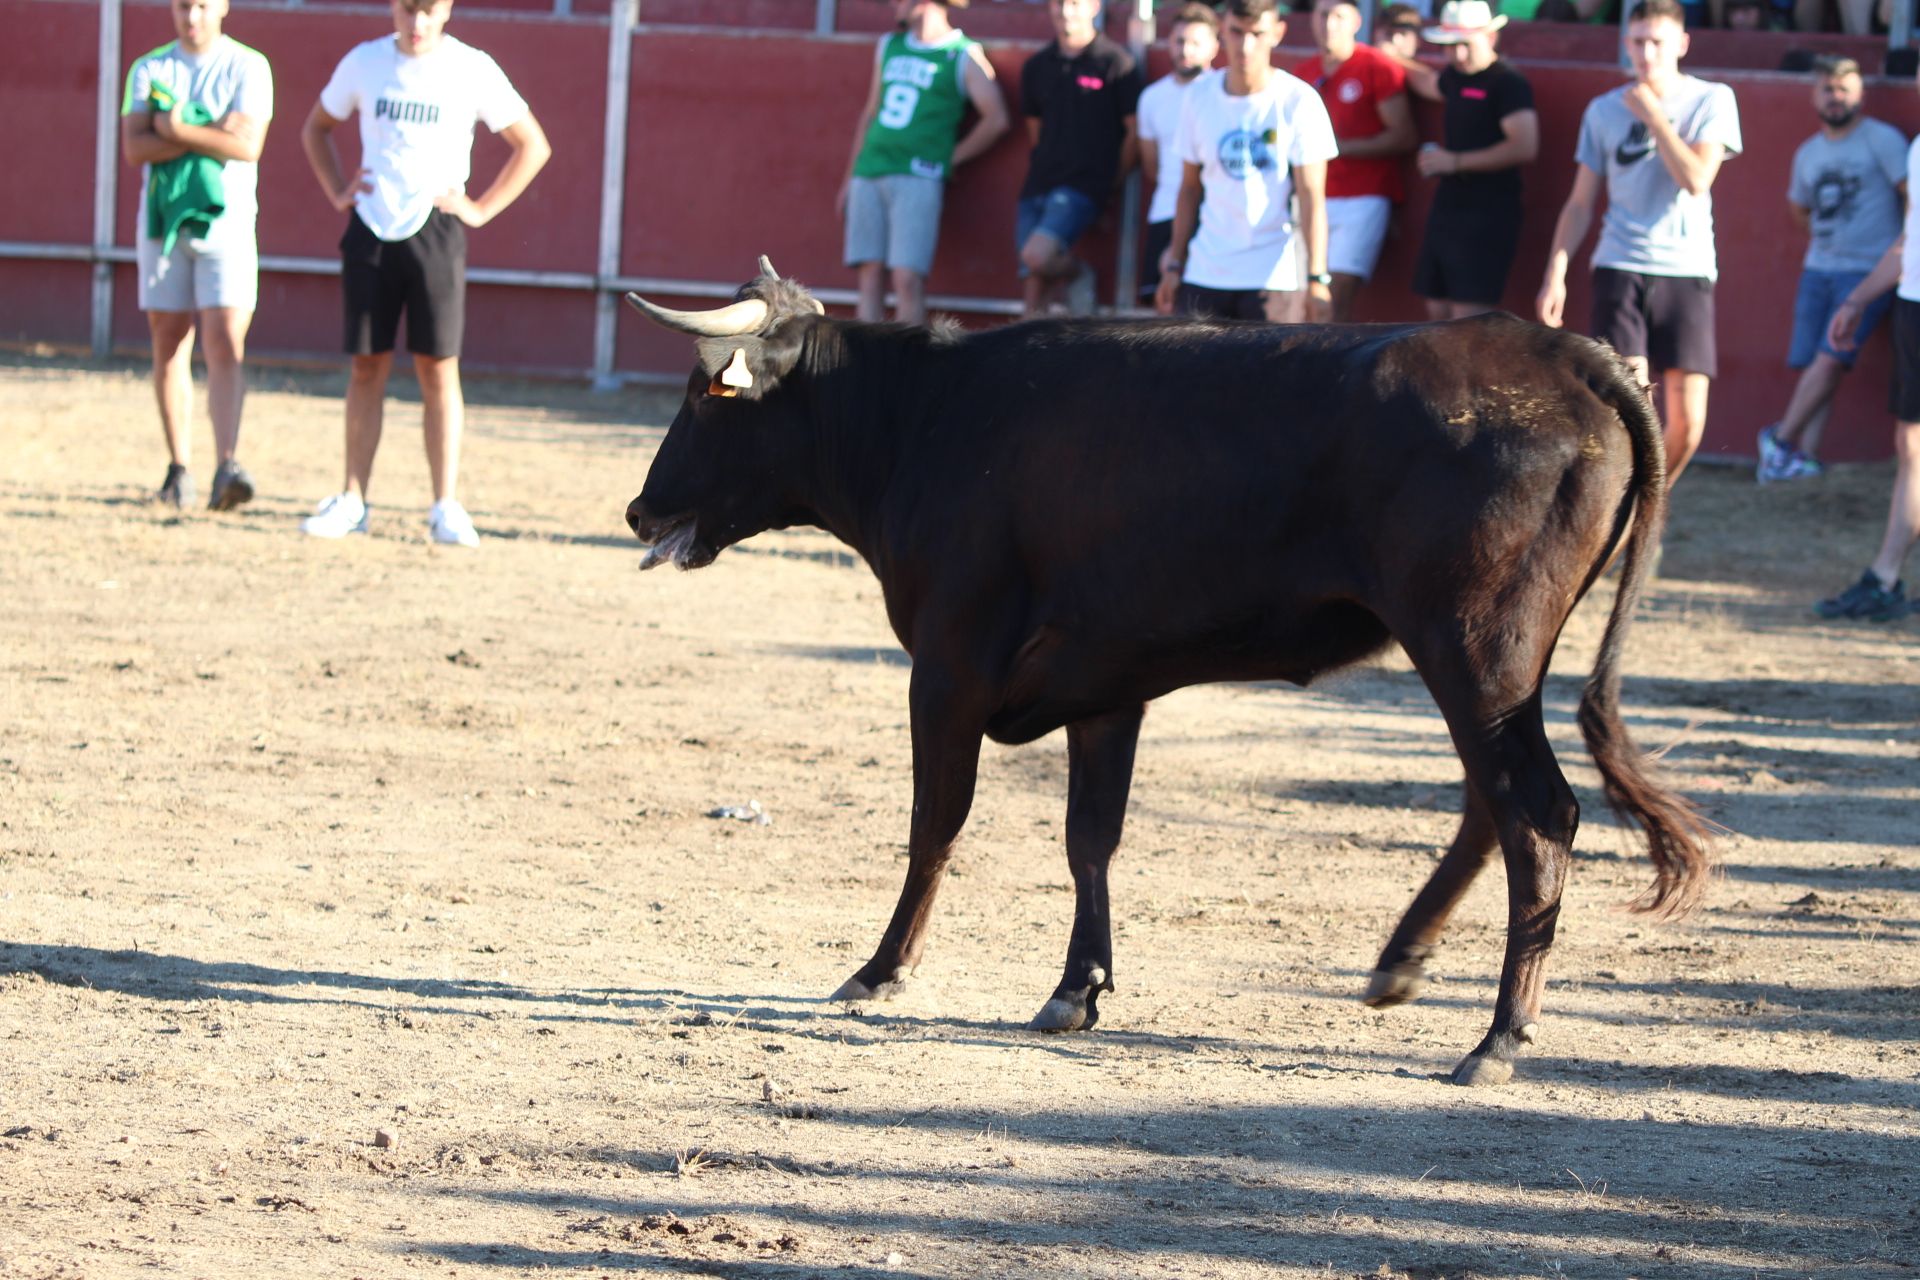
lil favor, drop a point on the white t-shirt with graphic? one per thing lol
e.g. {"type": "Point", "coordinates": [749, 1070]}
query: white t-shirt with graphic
{"type": "Point", "coordinates": [1158, 115]}
{"type": "Point", "coordinates": [1246, 147]}
{"type": "Point", "coordinates": [226, 78]}
{"type": "Point", "coordinates": [416, 123]}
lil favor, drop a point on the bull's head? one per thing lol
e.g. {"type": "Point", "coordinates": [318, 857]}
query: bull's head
{"type": "Point", "coordinates": [728, 466]}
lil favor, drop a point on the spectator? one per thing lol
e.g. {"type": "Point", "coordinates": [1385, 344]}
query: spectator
{"type": "Point", "coordinates": [1846, 187]}
{"type": "Point", "coordinates": [1490, 129]}
{"type": "Point", "coordinates": [1365, 94]}
{"type": "Point", "coordinates": [419, 93]}
{"type": "Point", "coordinates": [1252, 139]}
{"type": "Point", "coordinates": [1880, 595]}
{"type": "Point", "coordinates": [924, 75]}
{"type": "Point", "coordinates": [1079, 93]}
{"type": "Point", "coordinates": [1193, 43]}
{"type": "Point", "coordinates": [194, 118]}
{"type": "Point", "coordinates": [1396, 32]}
{"type": "Point", "coordinates": [1657, 144]}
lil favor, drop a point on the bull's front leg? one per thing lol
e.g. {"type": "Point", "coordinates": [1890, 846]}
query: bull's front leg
{"type": "Point", "coordinates": [947, 727]}
{"type": "Point", "coordinates": [1099, 773]}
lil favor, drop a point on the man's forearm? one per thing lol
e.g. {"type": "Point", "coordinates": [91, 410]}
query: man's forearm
{"type": "Point", "coordinates": [1683, 164]}
{"type": "Point", "coordinates": [217, 141]}
{"type": "Point", "coordinates": [318, 144]}
{"type": "Point", "coordinates": [1885, 275]}
{"type": "Point", "coordinates": [526, 160]}
{"type": "Point", "coordinates": [1509, 153]}
{"type": "Point", "coordinates": [976, 143]}
{"type": "Point", "coordinates": [148, 147]}
{"type": "Point", "coordinates": [1569, 233]}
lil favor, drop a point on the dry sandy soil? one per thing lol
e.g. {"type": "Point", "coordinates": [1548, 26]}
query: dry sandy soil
{"type": "Point", "coordinates": [360, 913]}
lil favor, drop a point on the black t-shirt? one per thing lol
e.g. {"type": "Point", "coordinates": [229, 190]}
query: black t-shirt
{"type": "Point", "coordinates": [1475, 106]}
{"type": "Point", "coordinates": [1082, 103]}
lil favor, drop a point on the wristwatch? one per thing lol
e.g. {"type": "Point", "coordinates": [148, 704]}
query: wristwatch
{"type": "Point", "coordinates": [1321, 277]}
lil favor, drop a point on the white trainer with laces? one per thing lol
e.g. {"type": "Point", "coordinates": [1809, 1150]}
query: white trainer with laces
{"type": "Point", "coordinates": [336, 517]}
{"type": "Point", "coordinates": [451, 524]}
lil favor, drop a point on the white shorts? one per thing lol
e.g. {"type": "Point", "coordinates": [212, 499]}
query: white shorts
{"type": "Point", "coordinates": [1356, 228]}
{"type": "Point", "coordinates": [199, 274]}
{"type": "Point", "coordinates": [894, 219]}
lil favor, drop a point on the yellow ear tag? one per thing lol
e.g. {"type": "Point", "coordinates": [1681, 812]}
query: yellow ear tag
{"type": "Point", "coordinates": [736, 374]}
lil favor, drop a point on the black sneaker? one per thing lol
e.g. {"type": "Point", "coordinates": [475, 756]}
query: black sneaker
{"type": "Point", "coordinates": [1866, 599]}
{"type": "Point", "coordinates": [177, 489]}
{"type": "Point", "coordinates": [232, 486]}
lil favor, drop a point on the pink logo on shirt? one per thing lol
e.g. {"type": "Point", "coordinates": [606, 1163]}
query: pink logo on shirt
{"type": "Point", "coordinates": [1092, 82]}
{"type": "Point", "coordinates": [1473, 93]}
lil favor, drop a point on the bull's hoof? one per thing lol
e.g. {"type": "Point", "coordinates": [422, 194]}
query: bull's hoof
{"type": "Point", "coordinates": [1482, 1071]}
{"type": "Point", "coordinates": [1074, 1011]}
{"type": "Point", "coordinates": [1389, 987]}
{"type": "Point", "coordinates": [854, 991]}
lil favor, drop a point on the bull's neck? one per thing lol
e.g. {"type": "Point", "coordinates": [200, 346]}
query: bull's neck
{"type": "Point", "coordinates": [861, 390]}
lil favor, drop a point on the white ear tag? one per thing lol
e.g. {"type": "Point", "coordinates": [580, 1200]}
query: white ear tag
{"type": "Point", "coordinates": [736, 373]}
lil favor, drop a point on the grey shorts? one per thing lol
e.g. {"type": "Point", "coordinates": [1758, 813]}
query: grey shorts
{"type": "Point", "coordinates": [199, 274]}
{"type": "Point", "coordinates": [895, 220]}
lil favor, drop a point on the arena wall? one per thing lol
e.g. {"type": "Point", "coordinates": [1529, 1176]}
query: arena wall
{"type": "Point", "coordinates": [736, 141]}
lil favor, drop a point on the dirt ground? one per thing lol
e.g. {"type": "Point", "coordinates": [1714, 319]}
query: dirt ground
{"type": "Point", "coordinates": [360, 913]}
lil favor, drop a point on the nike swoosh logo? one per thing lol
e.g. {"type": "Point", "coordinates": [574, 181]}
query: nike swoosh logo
{"type": "Point", "coordinates": [1626, 153]}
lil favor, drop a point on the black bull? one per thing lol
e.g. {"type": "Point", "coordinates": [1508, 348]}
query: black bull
{"type": "Point", "coordinates": [1071, 518]}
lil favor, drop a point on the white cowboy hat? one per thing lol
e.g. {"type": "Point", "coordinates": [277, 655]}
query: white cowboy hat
{"type": "Point", "coordinates": [1462, 18]}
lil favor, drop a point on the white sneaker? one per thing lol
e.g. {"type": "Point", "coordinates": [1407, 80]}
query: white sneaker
{"type": "Point", "coordinates": [336, 517]}
{"type": "Point", "coordinates": [451, 524]}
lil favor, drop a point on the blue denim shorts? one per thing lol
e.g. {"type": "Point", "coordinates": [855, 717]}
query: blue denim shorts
{"type": "Point", "coordinates": [1820, 295]}
{"type": "Point", "coordinates": [1063, 213]}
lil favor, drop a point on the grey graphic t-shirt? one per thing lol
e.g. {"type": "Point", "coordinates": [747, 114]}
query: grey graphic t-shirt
{"type": "Point", "coordinates": [1850, 189]}
{"type": "Point", "coordinates": [1651, 225]}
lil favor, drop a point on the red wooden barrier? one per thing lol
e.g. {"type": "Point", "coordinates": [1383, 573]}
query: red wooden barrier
{"type": "Point", "coordinates": [737, 140]}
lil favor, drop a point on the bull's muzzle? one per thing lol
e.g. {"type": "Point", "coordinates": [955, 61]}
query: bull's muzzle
{"type": "Point", "coordinates": [636, 516]}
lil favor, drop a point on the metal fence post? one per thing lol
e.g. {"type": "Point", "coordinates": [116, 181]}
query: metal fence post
{"type": "Point", "coordinates": [106, 173]}
{"type": "Point", "coordinates": [613, 189]}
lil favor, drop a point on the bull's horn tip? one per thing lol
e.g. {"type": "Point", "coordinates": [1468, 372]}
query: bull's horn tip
{"type": "Point", "coordinates": [766, 268]}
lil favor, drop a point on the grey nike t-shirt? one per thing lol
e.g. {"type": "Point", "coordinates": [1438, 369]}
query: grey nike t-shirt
{"type": "Point", "coordinates": [1651, 225]}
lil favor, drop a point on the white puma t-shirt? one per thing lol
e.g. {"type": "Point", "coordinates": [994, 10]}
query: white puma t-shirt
{"type": "Point", "coordinates": [416, 123]}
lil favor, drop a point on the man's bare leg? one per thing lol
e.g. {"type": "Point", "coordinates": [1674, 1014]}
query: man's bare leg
{"type": "Point", "coordinates": [1806, 415]}
{"type": "Point", "coordinates": [446, 416]}
{"type": "Point", "coordinates": [172, 333]}
{"type": "Point", "coordinates": [872, 303]}
{"type": "Point", "coordinates": [1345, 289]}
{"type": "Point", "coordinates": [223, 340]}
{"type": "Point", "coordinates": [1049, 266]}
{"type": "Point", "coordinates": [909, 296]}
{"type": "Point", "coordinates": [1903, 511]}
{"type": "Point", "coordinates": [1686, 418]}
{"type": "Point", "coordinates": [366, 403]}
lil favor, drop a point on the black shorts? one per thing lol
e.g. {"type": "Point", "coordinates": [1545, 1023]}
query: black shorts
{"type": "Point", "coordinates": [1159, 236]}
{"type": "Point", "coordinates": [1467, 254]}
{"type": "Point", "coordinates": [1202, 303]}
{"type": "Point", "coordinates": [1903, 401]}
{"type": "Point", "coordinates": [424, 275]}
{"type": "Point", "coordinates": [1667, 320]}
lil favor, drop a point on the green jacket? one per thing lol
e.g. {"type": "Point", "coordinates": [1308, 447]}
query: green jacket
{"type": "Point", "coordinates": [186, 193]}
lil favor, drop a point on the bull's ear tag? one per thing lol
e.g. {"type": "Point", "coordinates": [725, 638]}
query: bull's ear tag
{"type": "Point", "coordinates": [736, 374]}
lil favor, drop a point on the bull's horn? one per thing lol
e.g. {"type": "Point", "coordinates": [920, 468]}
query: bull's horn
{"type": "Point", "coordinates": [730, 321]}
{"type": "Point", "coordinates": [766, 268]}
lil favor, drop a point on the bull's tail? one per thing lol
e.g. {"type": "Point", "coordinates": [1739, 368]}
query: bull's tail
{"type": "Point", "coordinates": [1675, 832]}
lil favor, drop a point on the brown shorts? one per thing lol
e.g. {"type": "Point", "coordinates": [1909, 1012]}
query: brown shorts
{"type": "Point", "coordinates": [1666, 320]}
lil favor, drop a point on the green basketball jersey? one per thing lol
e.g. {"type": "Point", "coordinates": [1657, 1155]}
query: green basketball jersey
{"type": "Point", "coordinates": [923, 94]}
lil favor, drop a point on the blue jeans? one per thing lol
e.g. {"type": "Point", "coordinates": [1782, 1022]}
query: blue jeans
{"type": "Point", "coordinates": [1820, 295]}
{"type": "Point", "coordinates": [1063, 213]}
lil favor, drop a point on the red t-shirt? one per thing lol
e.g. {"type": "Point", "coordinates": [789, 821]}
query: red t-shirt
{"type": "Point", "coordinates": [1353, 95]}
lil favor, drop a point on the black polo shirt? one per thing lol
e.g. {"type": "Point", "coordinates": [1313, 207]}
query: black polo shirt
{"type": "Point", "coordinates": [1475, 106]}
{"type": "Point", "coordinates": [1083, 104]}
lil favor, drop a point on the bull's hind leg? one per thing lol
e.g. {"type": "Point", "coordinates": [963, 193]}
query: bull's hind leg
{"type": "Point", "coordinates": [1401, 973]}
{"type": "Point", "coordinates": [1511, 764]}
{"type": "Point", "coordinates": [1099, 772]}
{"type": "Point", "coordinates": [946, 762]}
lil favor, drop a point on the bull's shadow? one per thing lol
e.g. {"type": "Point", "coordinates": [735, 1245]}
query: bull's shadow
{"type": "Point", "coordinates": [1434, 1191]}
